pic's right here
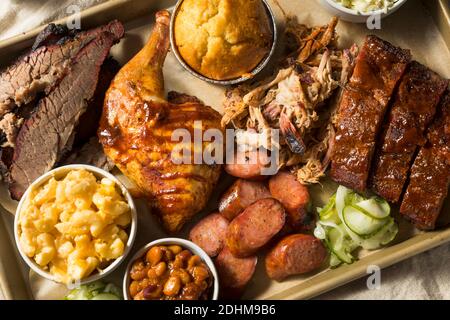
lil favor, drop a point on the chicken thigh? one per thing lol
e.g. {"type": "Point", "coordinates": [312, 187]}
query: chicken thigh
{"type": "Point", "coordinates": [136, 133]}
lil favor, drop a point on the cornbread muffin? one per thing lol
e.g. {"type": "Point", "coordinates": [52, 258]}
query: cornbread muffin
{"type": "Point", "coordinates": [223, 39]}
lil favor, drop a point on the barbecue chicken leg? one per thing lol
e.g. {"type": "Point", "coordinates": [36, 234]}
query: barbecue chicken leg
{"type": "Point", "coordinates": [136, 129]}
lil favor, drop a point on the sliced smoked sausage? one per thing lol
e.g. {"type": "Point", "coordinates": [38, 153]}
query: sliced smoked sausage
{"type": "Point", "coordinates": [294, 196]}
{"type": "Point", "coordinates": [255, 226]}
{"type": "Point", "coordinates": [234, 273]}
{"type": "Point", "coordinates": [240, 195]}
{"type": "Point", "coordinates": [295, 254]}
{"type": "Point", "coordinates": [248, 165]}
{"type": "Point", "coordinates": [209, 234]}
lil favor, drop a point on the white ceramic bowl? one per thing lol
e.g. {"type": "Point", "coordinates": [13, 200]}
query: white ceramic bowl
{"type": "Point", "coordinates": [355, 16]}
{"type": "Point", "coordinates": [99, 173]}
{"type": "Point", "coordinates": [186, 244]}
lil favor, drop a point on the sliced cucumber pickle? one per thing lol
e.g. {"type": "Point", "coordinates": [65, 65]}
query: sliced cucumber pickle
{"type": "Point", "coordinates": [334, 261]}
{"type": "Point", "coordinates": [376, 208]}
{"type": "Point", "coordinates": [350, 221]}
{"type": "Point", "coordinates": [332, 216]}
{"type": "Point", "coordinates": [361, 223]}
{"type": "Point", "coordinates": [327, 212]}
{"type": "Point", "coordinates": [353, 197]}
{"type": "Point", "coordinates": [105, 296]}
{"type": "Point", "coordinates": [319, 232]}
{"type": "Point", "coordinates": [384, 236]}
{"type": "Point", "coordinates": [338, 245]}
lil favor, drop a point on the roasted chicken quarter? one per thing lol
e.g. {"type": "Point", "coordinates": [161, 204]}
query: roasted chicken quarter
{"type": "Point", "coordinates": [136, 129]}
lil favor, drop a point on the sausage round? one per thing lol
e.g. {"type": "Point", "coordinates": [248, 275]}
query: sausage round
{"type": "Point", "coordinates": [295, 254]}
{"type": "Point", "coordinates": [294, 196]}
{"type": "Point", "coordinates": [234, 273]}
{"type": "Point", "coordinates": [248, 165]}
{"type": "Point", "coordinates": [240, 195]}
{"type": "Point", "coordinates": [255, 226]}
{"type": "Point", "coordinates": [209, 234]}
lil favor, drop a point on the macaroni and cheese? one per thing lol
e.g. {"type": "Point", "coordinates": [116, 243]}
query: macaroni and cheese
{"type": "Point", "coordinates": [75, 225]}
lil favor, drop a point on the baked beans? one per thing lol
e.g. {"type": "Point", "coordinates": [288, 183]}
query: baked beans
{"type": "Point", "coordinates": [170, 273]}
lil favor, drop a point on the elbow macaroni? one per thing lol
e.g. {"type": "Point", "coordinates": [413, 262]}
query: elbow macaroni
{"type": "Point", "coordinates": [73, 226]}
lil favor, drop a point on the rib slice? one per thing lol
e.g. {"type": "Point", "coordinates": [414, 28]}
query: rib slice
{"type": "Point", "coordinates": [378, 69]}
{"type": "Point", "coordinates": [412, 111]}
{"type": "Point", "coordinates": [430, 174]}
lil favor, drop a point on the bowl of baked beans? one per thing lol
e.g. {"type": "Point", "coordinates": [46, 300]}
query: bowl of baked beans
{"type": "Point", "coordinates": [171, 269]}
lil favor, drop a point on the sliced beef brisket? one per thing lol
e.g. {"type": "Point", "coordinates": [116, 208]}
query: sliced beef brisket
{"type": "Point", "coordinates": [86, 147]}
{"type": "Point", "coordinates": [45, 136]}
{"type": "Point", "coordinates": [89, 121]}
{"type": "Point", "coordinates": [41, 69]}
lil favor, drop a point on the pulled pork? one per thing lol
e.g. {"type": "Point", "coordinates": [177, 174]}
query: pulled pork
{"type": "Point", "coordinates": [297, 100]}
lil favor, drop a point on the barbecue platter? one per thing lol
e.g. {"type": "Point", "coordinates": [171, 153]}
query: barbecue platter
{"type": "Point", "coordinates": [359, 132]}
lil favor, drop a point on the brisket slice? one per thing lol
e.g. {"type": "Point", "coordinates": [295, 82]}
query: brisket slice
{"type": "Point", "coordinates": [379, 67]}
{"type": "Point", "coordinates": [49, 131]}
{"type": "Point", "coordinates": [86, 147]}
{"type": "Point", "coordinates": [42, 69]}
{"type": "Point", "coordinates": [413, 109]}
{"type": "Point", "coordinates": [89, 121]}
{"type": "Point", "coordinates": [430, 174]}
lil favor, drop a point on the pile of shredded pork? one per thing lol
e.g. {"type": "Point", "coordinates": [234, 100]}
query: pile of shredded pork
{"type": "Point", "coordinates": [299, 101]}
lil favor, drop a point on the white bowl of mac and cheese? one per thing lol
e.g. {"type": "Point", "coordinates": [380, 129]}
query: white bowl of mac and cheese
{"type": "Point", "coordinates": [75, 224]}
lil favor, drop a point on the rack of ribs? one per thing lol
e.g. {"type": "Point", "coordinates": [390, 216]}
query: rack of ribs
{"type": "Point", "coordinates": [430, 173]}
{"type": "Point", "coordinates": [379, 67]}
{"type": "Point", "coordinates": [413, 108]}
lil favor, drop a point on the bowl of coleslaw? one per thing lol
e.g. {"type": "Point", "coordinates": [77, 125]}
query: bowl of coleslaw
{"type": "Point", "coordinates": [360, 11]}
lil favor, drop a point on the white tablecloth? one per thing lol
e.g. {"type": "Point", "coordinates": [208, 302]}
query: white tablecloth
{"type": "Point", "coordinates": [17, 16]}
{"type": "Point", "coordinates": [426, 276]}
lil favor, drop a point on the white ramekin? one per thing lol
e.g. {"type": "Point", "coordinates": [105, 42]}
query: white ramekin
{"type": "Point", "coordinates": [186, 244]}
{"type": "Point", "coordinates": [60, 172]}
{"type": "Point", "coordinates": [355, 16]}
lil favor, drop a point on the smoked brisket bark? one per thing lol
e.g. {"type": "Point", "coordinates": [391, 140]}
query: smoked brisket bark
{"type": "Point", "coordinates": [413, 109]}
{"type": "Point", "coordinates": [379, 67]}
{"type": "Point", "coordinates": [40, 71]}
{"type": "Point", "coordinates": [430, 174]}
{"type": "Point", "coordinates": [49, 132]}
{"type": "Point", "coordinates": [53, 34]}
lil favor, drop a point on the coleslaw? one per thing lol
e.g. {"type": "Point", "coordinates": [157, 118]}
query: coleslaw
{"type": "Point", "coordinates": [365, 6]}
